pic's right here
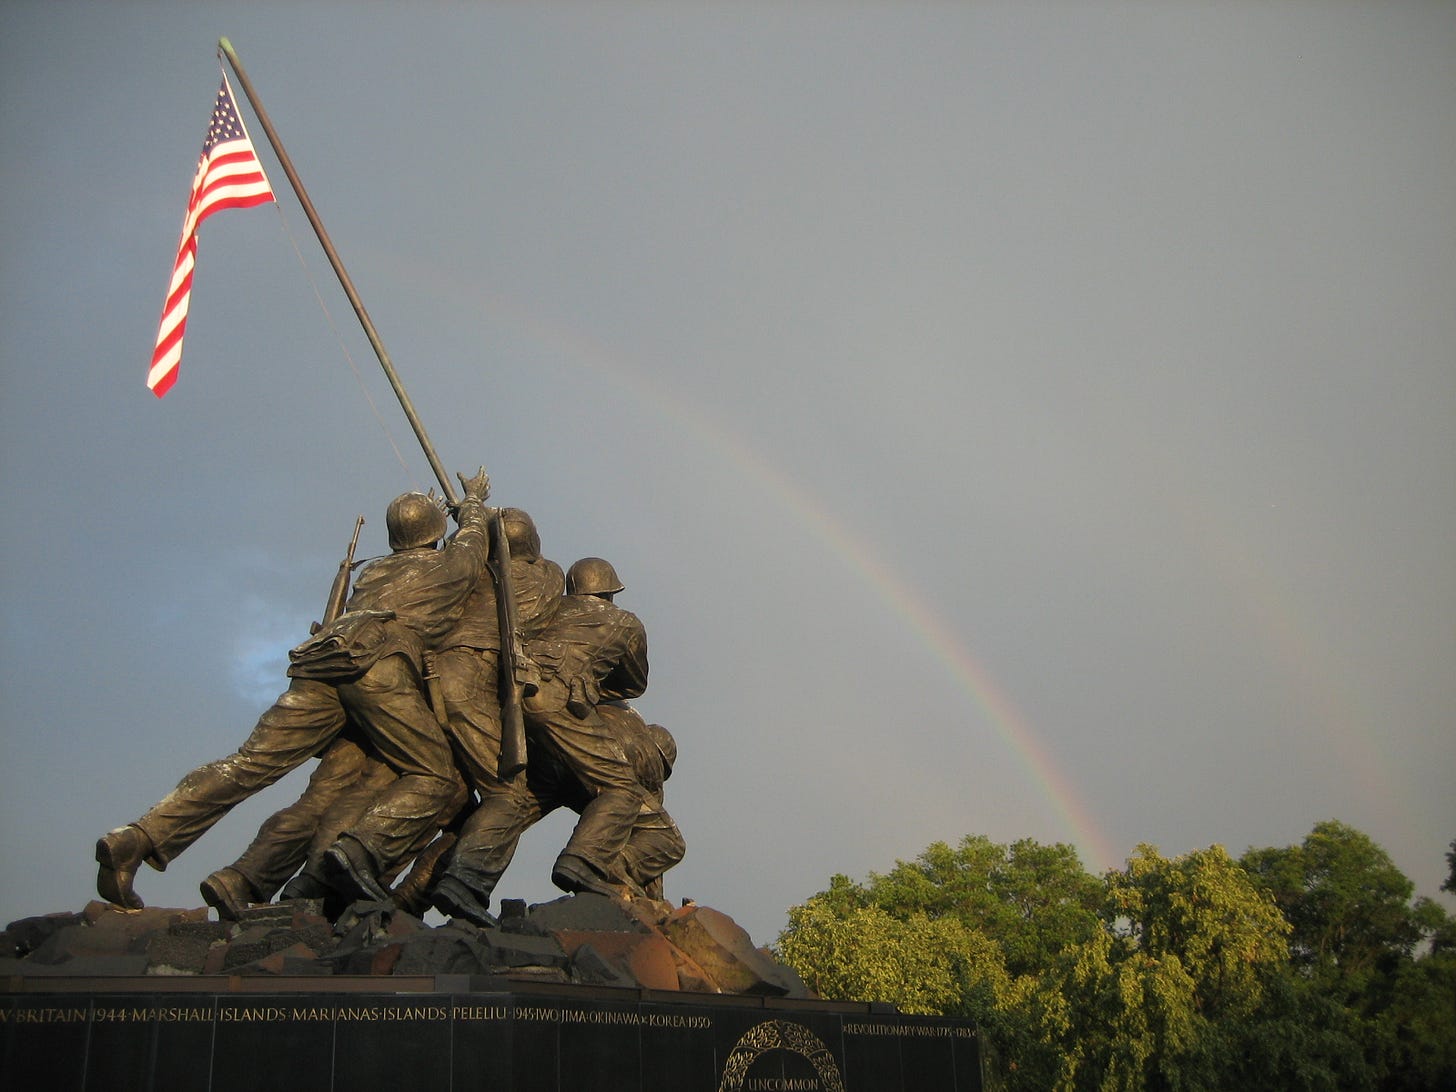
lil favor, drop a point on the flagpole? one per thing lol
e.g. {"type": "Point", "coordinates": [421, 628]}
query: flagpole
{"type": "Point", "coordinates": [513, 740]}
{"type": "Point", "coordinates": [333, 255]}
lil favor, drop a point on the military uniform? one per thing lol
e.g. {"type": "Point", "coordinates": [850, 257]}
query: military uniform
{"type": "Point", "coordinates": [591, 651]}
{"type": "Point", "coordinates": [401, 603]}
{"type": "Point", "coordinates": [468, 663]}
{"type": "Point", "coordinates": [350, 776]}
{"type": "Point", "coordinates": [655, 844]}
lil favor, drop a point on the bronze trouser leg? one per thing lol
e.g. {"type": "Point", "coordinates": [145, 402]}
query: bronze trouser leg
{"type": "Point", "coordinates": [655, 846]}
{"type": "Point", "coordinates": [602, 832]}
{"type": "Point", "coordinates": [489, 836]}
{"type": "Point", "coordinates": [470, 683]}
{"type": "Point", "coordinates": [283, 841]}
{"type": "Point", "coordinates": [593, 756]}
{"type": "Point", "coordinates": [387, 703]}
{"type": "Point", "coordinates": [304, 719]}
{"type": "Point", "coordinates": [350, 806]}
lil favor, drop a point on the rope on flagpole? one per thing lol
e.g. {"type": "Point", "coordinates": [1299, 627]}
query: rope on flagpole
{"type": "Point", "coordinates": [447, 488]}
{"type": "Point", "coordinates": [343, 346]}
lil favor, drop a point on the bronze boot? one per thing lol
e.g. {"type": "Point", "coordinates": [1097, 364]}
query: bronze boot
{"type": "Point", "coordinates": [120, 853]}
{"type": "Point", "coordinates": [228, 892]}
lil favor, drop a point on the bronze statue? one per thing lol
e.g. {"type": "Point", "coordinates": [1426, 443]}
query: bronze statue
{"type": "Point", "coordinates": [376, 667]}
{"type": "Point", "coordinates": [466, 661]}
{"type": "Point", "coordinates": [655, 844]}
{"type": "Point", "coordinates": [464, 665]}
{"type": "Point", "coordinates": [366, 667]}
{"type": "Point", "coordinates": [400, 698]}
{"type": "Point", "coordinates": [350, 774]}
{"type": "Point", "coordinates": [495, 827]}
{"type": "Point", "coordinates": [591, 651]}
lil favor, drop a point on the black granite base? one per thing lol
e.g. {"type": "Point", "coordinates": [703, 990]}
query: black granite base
{"type": "Point", "coordinates": [453, 1033]}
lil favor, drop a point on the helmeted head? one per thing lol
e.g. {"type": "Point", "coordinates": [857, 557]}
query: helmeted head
{"type": "Point", "coordinates": [665, 744]}
{"type": "Point", "coordinates": [521, 533]}
{"type": "Point", "coordinates": [593, 576]}
{"type": "Point", "coordinates": [414, 520]}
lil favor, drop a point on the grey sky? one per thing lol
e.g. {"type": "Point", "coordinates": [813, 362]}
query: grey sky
{"type": "Point", "coordinates": [1031, 420]}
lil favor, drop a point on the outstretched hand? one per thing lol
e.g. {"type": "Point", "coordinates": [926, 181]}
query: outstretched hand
{"type": "Point", "coordinates": [478, 487]}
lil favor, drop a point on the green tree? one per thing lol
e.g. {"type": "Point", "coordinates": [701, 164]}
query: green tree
{"type": "Point", "coordinates": [921, 964]}
{"type": "Point", "coordinates": [1031, 899]}
{"type": "Point", "coordinates": [1370, 964]}
{"type": "Point", "coordinates": [1111, 1020]}
{"type": "Point", "coordinates": [1347, 902]}
{"type": "Point", "coordinates": [1184, 962]}
{"type": "Point", "coordinates": [1301, 1038]}
{"type": "Point", "coordinates": [1413, 1026]}
{"type": "Point", "coordinates": [1300, 967]}
{"type": "Point", "coordinates": [958, 931]}
{"type": "Point", "coordinates": [1203, 910]}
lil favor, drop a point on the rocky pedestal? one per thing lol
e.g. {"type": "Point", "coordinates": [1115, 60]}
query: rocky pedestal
{"type": "Point", "coordinates": [588, 940]}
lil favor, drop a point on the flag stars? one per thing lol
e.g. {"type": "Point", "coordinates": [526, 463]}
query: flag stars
{"type": "Point", "coordinates": [225, 125]}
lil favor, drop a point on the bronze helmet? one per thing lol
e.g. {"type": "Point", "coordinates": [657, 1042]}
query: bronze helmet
{"type": "Point", "coordinates": [521, 533]}
{"type": "Point", "coordinates": [592, 576]}
{"type": "Point", "coordinates": [413, 519]}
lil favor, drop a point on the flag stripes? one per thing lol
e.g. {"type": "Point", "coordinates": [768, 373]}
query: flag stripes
{"type": "Point", "coordinates": [228, 176]}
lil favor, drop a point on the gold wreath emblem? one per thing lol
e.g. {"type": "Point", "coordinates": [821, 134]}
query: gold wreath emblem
{"type": "Point", "coordinates": [779, 1035]}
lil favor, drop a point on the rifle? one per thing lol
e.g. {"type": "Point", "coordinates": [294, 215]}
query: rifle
{"type": "Point", "coordinates": [339, 593]}
{"type": "Point", "coordinates": [513, 727]}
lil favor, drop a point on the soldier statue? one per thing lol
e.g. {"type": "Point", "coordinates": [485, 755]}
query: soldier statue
{"type": "Point", "coordinates": [366, 668]}
{"type": "Point", "coordinates": [591, 651]}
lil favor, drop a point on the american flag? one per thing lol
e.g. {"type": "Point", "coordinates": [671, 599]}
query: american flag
{"type": "Point", "coordinates": [228, 176]}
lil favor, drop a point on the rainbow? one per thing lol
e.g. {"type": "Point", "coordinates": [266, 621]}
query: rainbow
{"type": "Point", "coordinates": [943, 643]}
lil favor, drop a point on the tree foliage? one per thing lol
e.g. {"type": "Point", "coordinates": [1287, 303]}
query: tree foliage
{"type": "Point", "coordinates": [1033, 900]}
{"type": "Point", "coordinates": [1182, 960]}
{"type": "Point", "coordinates": [1357, 940]}
{"type": "Point", "coordinates": [1348, 904]}
{"type": "Point", "coordinates": [1203, 910]}
{"type": "Point", "coordinates": [1302, 967]}
{"type": "Point", "coordinates": [923, 965]}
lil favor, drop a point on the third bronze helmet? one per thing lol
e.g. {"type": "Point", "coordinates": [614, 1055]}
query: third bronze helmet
{"type": "Point", "coordinates": [592, 576]}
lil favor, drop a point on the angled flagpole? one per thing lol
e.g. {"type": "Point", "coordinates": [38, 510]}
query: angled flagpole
{"type": "Point", "coordinates": [513, 740]}
{"type": "Point", "coordinates": [348, 285]}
